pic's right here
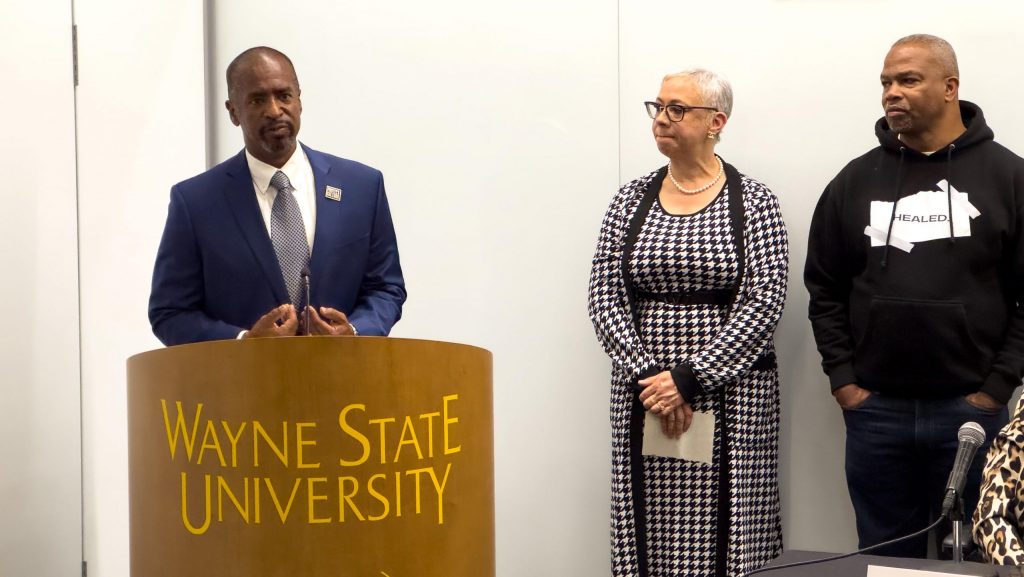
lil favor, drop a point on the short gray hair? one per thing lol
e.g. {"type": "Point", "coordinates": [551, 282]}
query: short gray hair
{"type": "Point", "coordinates": [939, 48]}
{"type": "Point", "coordinates": [714, 89]}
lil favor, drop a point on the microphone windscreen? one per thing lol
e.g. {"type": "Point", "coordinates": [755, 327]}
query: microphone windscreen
{"type": "Point", "coordinates": [971, 432]}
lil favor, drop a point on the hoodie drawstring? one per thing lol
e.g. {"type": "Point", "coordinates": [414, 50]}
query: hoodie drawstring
{"type": "Point", "coordinates": [895, 201]}
{"type": "Point", "coordinates": [949, 189]}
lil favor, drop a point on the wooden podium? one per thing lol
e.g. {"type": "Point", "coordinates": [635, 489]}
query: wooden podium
{"type": "Point", "coordinates": [312, 457]}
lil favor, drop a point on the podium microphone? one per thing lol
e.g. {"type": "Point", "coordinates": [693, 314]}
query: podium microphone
{"type": "Point", "coordinates": [971, 436]}
{"type": "Point", "coordinates": [305, 311]}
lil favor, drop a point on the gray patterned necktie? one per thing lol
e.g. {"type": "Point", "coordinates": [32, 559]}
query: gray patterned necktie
{"type": "Point", "coordinates": [288, 234]}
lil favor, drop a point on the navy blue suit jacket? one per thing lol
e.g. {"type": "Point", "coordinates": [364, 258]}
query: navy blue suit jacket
{"type": "Point", "coordinates": [216, 272]}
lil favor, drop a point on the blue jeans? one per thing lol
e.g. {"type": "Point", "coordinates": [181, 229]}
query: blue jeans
{"type": "Point", "coordinates": [899, 453]}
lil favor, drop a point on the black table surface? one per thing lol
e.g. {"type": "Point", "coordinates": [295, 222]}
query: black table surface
{"type": "Point", "coordinates": [857, 566]}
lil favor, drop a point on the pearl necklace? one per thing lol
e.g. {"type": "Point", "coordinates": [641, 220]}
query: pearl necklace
{"type": "Point", "coordinates": [721, 169]}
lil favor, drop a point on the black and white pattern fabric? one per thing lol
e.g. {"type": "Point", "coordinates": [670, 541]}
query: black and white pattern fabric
{"type": "Point", "coordinates": [673, 254]}
{"type": "Point", "coordinates": [288, 235]}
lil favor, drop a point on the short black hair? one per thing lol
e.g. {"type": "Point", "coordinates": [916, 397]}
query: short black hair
{"type": "Point", "coordinates": [246, 54]}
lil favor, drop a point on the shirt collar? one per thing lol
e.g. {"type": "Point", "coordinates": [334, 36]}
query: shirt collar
{"type": "Point", "coordinates": [262, 172]}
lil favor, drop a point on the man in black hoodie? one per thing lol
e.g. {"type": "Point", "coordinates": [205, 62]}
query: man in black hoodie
{"type": "Point", "coordinates": [915, 267]}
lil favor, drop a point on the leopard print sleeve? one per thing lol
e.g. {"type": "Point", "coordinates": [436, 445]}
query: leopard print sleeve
{"type": "Point", "coordinates": [998, 518]}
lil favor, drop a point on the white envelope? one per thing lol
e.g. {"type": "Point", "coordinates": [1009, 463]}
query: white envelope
{"type": "Point", "coordinates": [696, 444]}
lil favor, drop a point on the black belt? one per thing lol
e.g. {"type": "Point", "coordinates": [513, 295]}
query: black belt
{"type": "Point", "coordinates": [723, 297]}
{"type": "Point", "coordinates": [694, 297]}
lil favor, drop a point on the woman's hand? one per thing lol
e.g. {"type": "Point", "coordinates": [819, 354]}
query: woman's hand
{"type": "Point", "coordinates": [677, 421]}
{"type": "Point", "coordinates": [660, 395]}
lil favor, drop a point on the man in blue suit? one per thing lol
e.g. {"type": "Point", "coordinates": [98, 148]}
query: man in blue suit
{"type": "Point", "coordinates": [243, 239]}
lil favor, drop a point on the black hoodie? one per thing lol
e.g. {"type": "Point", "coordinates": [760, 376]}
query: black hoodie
{"type": "Point", "coordinates": [942, 319]}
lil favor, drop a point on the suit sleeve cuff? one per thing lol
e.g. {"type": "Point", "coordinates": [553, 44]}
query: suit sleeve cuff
{"type": "Point", "coordinates": [686, 382]}
{"type": "Point", "coordinates": [841, 375]}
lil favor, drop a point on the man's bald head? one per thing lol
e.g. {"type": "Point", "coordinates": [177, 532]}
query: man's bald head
{"type": "Point", "coordinates": [920, 92]}
{"type": "Point", "coordinates": [250, 55]}
{"type": "Point", "coordinates": [264, 100]}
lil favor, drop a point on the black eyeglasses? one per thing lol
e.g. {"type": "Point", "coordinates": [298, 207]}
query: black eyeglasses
{"type": "Point", "coordinates": [675, 112]}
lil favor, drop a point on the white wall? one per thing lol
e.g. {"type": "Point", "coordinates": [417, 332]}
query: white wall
{"type": "Point", "coordinates": [141, 114]}
{"type": "Point", "coordinates": [40, 479]}
{"type": "Point", "coordinates": [497, 128]}
{"type": "Point", "coordinates": [807, 94]}
{"type": "Point", "coordinates": [494, 127]}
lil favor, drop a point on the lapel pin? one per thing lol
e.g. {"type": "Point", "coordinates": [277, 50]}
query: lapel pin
{"type": "Point", "coordinates": [333, 193]}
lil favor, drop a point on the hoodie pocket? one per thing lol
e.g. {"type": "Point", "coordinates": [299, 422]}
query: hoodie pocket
{"type": "Point", "coordinates": [921, 342]}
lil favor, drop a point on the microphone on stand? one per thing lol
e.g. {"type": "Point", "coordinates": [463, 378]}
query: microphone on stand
{"type": "Point", "coordinates": [971, 437]}
{"type": "Point", "coordinates": [305, 286]}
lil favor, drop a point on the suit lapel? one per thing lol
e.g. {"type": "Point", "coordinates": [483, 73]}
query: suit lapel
{"type": "Point", "coordinates": [321, 179]}
{"type": "Point", "coordinates": [241, 198]}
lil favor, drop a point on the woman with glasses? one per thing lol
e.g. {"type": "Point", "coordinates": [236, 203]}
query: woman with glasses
{"type": "Point", "coordinates": [688, 283]}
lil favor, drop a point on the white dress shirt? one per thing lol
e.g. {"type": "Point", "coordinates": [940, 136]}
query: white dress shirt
{"type": "Point", "coordinates": [300, 174]}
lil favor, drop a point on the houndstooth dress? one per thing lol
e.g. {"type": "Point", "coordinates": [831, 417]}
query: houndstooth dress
{"type": "Point", "coordinates": [675, 529]}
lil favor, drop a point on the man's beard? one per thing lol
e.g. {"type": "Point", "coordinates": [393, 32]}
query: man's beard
{"type": "Point", "coordinates": [901, 125]}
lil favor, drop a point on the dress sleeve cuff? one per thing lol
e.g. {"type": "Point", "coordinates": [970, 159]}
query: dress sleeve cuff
{"type": "Point", "coordinates": [645, 374]}
{"type": "Point", "coordinates": [686, 382]}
